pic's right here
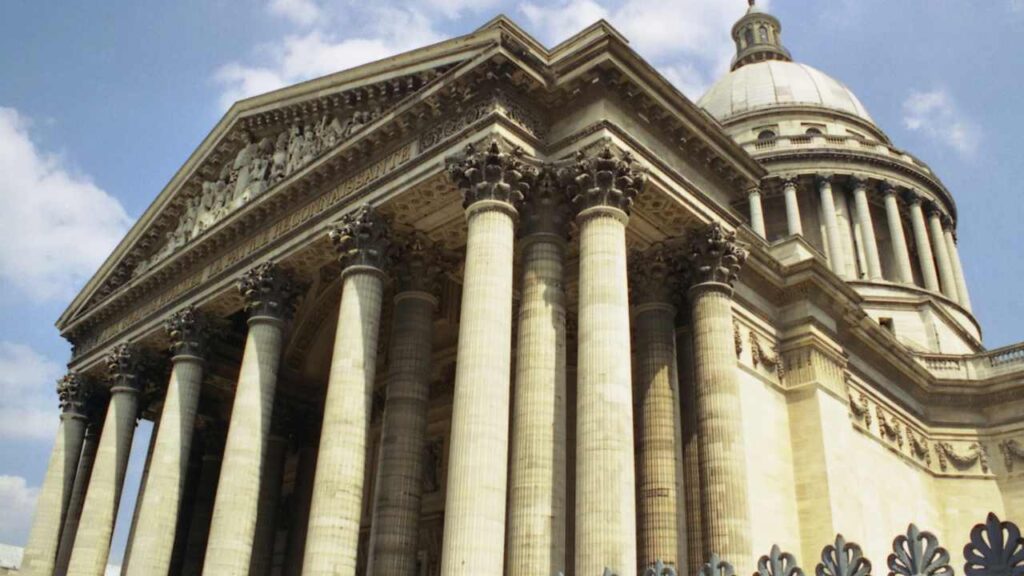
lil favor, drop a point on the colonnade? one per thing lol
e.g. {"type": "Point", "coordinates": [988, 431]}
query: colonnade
{"type": "Point", "coordinates": [933, 233]}
{"type": "Point", "coordinates": [502, 515]}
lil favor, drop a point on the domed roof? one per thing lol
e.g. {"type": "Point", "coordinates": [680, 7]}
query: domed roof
{"type": "Point", "coordinates": [777, 83]}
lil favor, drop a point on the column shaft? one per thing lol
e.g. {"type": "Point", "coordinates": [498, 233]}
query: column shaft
{"type": "Point", "coordinates": [757, 213]}
{"type": "Point", "coordinates": [725, 510]}
{"type": "Point", "coordinates": [235, 509]}
{"type": "Point", "coordinates": [335, 513]}
{"type": "Point", "coordinates": [92, 543]}
{"type": "Point", "coordinates": [536, 540]}
{"type": "Point", "coordinates": [605, 473]}
{"type": "Point", "coordinates": [945, 265]}
{"type": "Point", "coordinates": [867, 231]}
{"type": "Point", "coordinates": [835, 243]}
{"type": "Point", "coordinates": [660, 496]}
{"type": "Point", "coordinates": [793, 224]}
{"type": "Point", "coordinates": [270, 497]}
{"type": "Point", "coordinates": [924, 249]}
{"type": "Point", "coordinates": [202, 513]}
{"type": "Point", "coordinates": [474, 527]}
{"type": "Point", "coordinates": [55, 496]}
{"type": "Point", "coordinates": [394, 535]}
{"type": "Point", "coordinates": [74, 515]}
{"type": "Point", "coordinates": [958, 271]}
{"type": "Point", "coordinates": [900, 253]}
{"type": "Point", "coordinates": [165, 482]}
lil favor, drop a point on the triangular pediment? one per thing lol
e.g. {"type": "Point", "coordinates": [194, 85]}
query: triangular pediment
{"type": "Point", "coordinates": [271, 142]}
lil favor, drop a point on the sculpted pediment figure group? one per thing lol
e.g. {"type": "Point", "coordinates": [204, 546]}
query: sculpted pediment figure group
{"type": "Point", "coordinates": [256, 166]}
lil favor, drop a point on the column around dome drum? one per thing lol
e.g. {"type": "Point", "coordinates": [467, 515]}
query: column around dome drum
{"type": "Point", "coordinates": [954, 256]}
{"type": "Point", "coordinates": [925, 256]}
{"type": "Point", "coordinates": [828, 210]}
{"type": "Point", "coordinates": [867, 228]}
{"type": "Point", "coordinates": [756, 212]}
{"type": "Point", "coordinates": [942, 259]}
{"type": "Point", "coordinates": [897, 238]}
{"type": "Point", "coordinates": [794, 226]}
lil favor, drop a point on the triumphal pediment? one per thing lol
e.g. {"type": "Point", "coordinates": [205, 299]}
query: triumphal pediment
{"type": "Point", "coordinates": [279, 165]}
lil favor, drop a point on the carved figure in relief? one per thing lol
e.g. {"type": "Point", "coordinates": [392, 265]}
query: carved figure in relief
{"type": "Point", "coordinates": [296, 144]}
{"type": "Point", "coordinates": [242, 164]}
{"type": "Point", "coordinates": [259, 169]}
{"type": "Point", "coordinates": [279, 160]}
{"type": "Point", "coordinates": [309, 146]}
{"type": "Point", "coordinates": [330, 132]}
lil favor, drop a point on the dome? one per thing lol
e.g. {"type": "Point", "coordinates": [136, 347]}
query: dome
{"type": "Point", "coordinates": [778, 83]}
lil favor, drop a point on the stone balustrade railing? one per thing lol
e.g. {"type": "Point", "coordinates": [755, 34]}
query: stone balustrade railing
{"type": "Point", "coordinates": [995, 548]}
{"type": "Point", "coordinates": [980, 366]}
{"type": "Point", "coordinates": [798, 141]}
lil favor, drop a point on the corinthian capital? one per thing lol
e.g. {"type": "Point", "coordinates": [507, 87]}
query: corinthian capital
{"type": "Point", "coordinates": [73, 394]}
{"type": "Point", "coordinates": [491, 174]}
{"type": "Point", "coordinates": [124, 367]}
{"type": "Point", "coordinates": [268, 291]}
{"type": "Point", "coordinates": [605, 180]}
{"type": "Point", "coordinates": [716, 256]}
{"type": "Point", "coordinates": [362, 238]}
{"type": "Point", "coordinates": [546, 210]}
{"type": "Point", "coordinates": [188, 330]}
{"type": "Point", "coordinates": [419, 265]}
{"type": "Point", "coordinates": [654, 275]}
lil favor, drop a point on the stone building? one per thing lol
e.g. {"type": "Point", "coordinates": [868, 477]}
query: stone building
{"type": "Point", "coordinates": [492, 308]}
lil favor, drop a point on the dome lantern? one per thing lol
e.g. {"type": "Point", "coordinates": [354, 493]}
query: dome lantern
{"type": "Point", "coordinates": [758, 37]}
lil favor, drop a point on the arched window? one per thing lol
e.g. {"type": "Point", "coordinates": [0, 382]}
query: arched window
{"type": "Point", "coordinates": [766, 135]}
{"type": "Point", "coordinates": [813, 132]}
{"type": "Point", "coordinates": [749, 36]}
{"type": "Point", "coordinates": [763, 33]}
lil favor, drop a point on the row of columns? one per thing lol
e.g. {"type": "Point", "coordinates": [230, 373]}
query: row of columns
{"type": "Point", "coordinates": [480, 488]}
{"type": "Point", "coordinates": [938, 258]}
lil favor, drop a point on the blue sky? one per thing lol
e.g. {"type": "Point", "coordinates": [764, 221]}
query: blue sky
{"type": "Point", "coordinates": [101, 102]}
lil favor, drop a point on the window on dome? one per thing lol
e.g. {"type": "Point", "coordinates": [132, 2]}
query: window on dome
{"type": "Point", "coordinates": [766, 135]}
{"type": "Point", "coordinates": [763, 32]}
{"type": "Point", "coordinates": [814, 132]}
{"type": "Point", "coordinates": [748, 36]}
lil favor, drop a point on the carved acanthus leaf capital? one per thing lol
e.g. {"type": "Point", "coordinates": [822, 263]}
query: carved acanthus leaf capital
{"type": "Point", "coordinates": [125, 365]}
{"type": "Point", "coordinates": [420, 264]}
{"type": "Point", "coordinates": [716, 256]}
{"type": "Point", "coordinates": [491, 173]}
{"type": "Point", "coordinates": [268, 291]}
{"type": "Point", "coordinates": [547, 208]}
{"type": "Point", "coordinates": [363, 238]}
{"type": "Point", "coordinates": [605, 180]}
{"type": "Point", "coordinates": [189, 332]}
{"type": "Point", "coordinates": [73, 393]}
{"type": "Point", "coordinates": [655, 274]}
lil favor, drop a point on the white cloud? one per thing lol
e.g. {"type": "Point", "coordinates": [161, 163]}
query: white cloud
{"type": "Point", "coordinates": [688, 40]}
{"type": "Point", "coordinates": [19, 503]}
{"type": "Point", "coordinates": [28, 400]}
{"type": "Point", "coordinates": [56, 226]}
{"type": "Point", "coordinates": [935, 115]}
{"type": "Point", "coordinates": [383, 31]}
{"type": "Point", "coordinates": [301, 12]}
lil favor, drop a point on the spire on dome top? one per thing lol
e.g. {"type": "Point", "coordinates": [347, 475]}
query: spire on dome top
{"type": "Point", "coordinates": [758, 37]}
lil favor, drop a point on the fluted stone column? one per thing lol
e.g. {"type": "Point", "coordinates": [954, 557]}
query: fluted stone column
{"type": "Point", "coordinates": [925, 257]}
{"type": "Point", "coordinates": [394, 531]}
{"type": "Point", "coordinates": [716, 259]}
{"type": "Point", "coordinates": [363, 245]}
{"type": "Point", "coordinates": [96, 414]}
{"type": "Point", "coordinates": [828, 211]}
{"type": "Point", "coordinates": [92, 543]}
{"type": "Point", "coordinates": [867, 229]}
{"type": "Point", "coordinates": [793, 224]}
{"type": "Point", "coordinates": [58, 485]}
{"type": "Point", "coordinates": [756, 212]}
{"type": "Point", "coordinates": [268, 293]}
{"type": "Point", "coordinates": [958, 270]}
{"type": "Point", "coordinates": [165, 482]}
{"type": "Point", "coordinates": [537, 481]}
{"type": "Point", "coordinates": [660, 497]}
{"type": "Point", "coordinates": [945, 266]}
{"type": "Point", "coordinates": [492, 182]}
{"type": "Point", "coordinates": [270, 497]}
{"type": "Point", "coordinates": [900, 253]}
{"type": "Point", "coordinates": [603, 188]}
{"type": "Point", "coordinates": [206, 492]}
